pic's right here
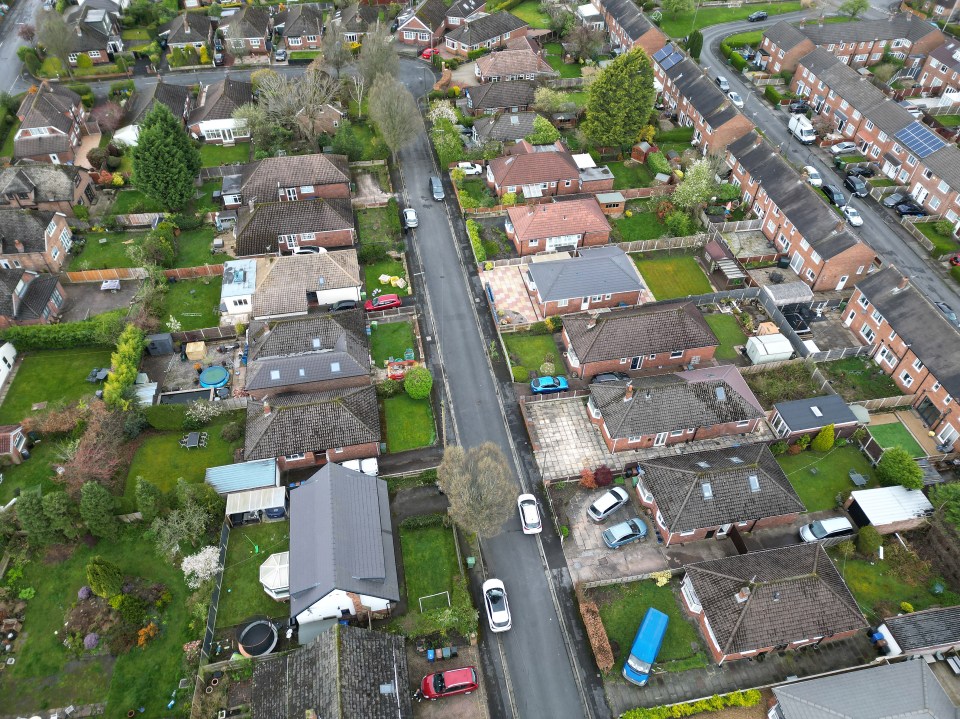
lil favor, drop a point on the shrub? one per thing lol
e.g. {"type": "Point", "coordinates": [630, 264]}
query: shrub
{"type": "Point", "coordinates": [954, 272]}
{"type": "Point", "coordinates": [747, 698]}
{"type": "Point", "coordinates": [418, 383]}
{"type": "Point", "coordinates": [597, 635]}
{"type": "Point", "coordinates": [389, 388]}
{"type": "Point", "coordinates": [944, 227]}
{"type": "Point", "coordinates": [869, 541]}
{"type": "Point", "coordinates": [678, 223]}
{"type": "Point", "coordinates": [105, 578]}
{"type": "Point", "coordinates": [520, 373]}
{"type": "Point", "coordinates": [91, 641]}
{"type": "Point", "coordinates": [587, 480]}
{"type": "Point", "coordinates": [84, 593]}
{"type": "Point", "coordinates": [803, 442]}
{"type": "Point", "coordinates": [736, 59]}
{"type": "Point", "coordinates": [473, 232]}
{"type": "Point", "coordinates": [846, 549]}
{"type": "Point", "coordinates": [509, 199]}
{"type": "Point", "coordinates": [372, 252]}
{"type": "Point", "coordinates": [658, 164]}
{"type": "Point", "coordinates": [603, 476]}
{"type": "Point", "coordinates": [166, 417]}
{"type": "Point", "coordinates": [772, 94]}
{"type": "Point", "coordinates": [81, 212]}
{"type": "Point", "coordinates": [823, 442]}
{"type": "Point", "coordinates": [547, 369]}
{"type": "Point", "coordinates": [727, 192]}
{"type": "Point", "coordinates": [125, 362]}
{"type": "Point", "coordinates": [421, 521]}
{"type": "Point", "coordinates": [906, 607]}
{"type": "Point", "coordinates": [778, 448]}
{"type": "Point", "coordinates": [232, 432]}
{"type": "Point", "coordinates": [99, 331]}
{"type": "Point", "coordinates": [896, 466]}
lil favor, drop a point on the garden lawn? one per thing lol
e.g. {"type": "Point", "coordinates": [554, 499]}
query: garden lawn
{"type": "Point", "coordinates": [728, 331]}
{"type": "Point", "coordinates": [391, 339]}
{"type": "Point", "coordinates": [111, 254]}
{"type": "Point", "coordinates": [135, 33]}
{"type": "Point", "coordinates": [193, 248]}
{"type": "Point", "coordinates": [578, 98]}
{"type": "Point", "coordinates": [895, 434]}
{"type": "Point", "coordinates": [390, 267]}
{"type": "Point", "coordinates": [630, 174]}
{"type": "Point", "coordinates": [140, 678]}
{"type": "Point", "coordinates": [782, 384]}
{"type": "Point", "coordinates": [373, 146]}
{"type": "Point", "coordinates": [682, 24]}
{"type": "Point", "coordinates": [676, 276]}
{"type": "Point", "coordinates": [529, 12]}
{"type": "Point", "coordinates": [242, 595]}
{"type": "Point", "coordinates": [819, 491]}
{"type": "Point", "coordinates": [881, 182]}
{"type": "Point", "coordinates": [205, 202]}
{"type": "Point", "coordinates": [478, 191]}
{"type": "Point", "coordinates": [948, 120]}
{"type": "Point", "coordinates": [531, 351]}
{"type": "Point", "coordinates": [409, 423]}
{"type": "Point", "coordinates": [429, 562]}
{"type": "Point", "coordinates": [554, 57]}
{"type": "Point", "coordinates": [162, 461]}
{"type": "Point", "coordinates": [378, 224]}
{"type": "Point", "coordinates": [51, 376]}
{"type": "Point", "coordinates": [6, 150]}
{"type": "Point", "coordinates": [36, 472]}
{"type": "Point", "coordinates": [133, 201]}
{"type": "Point", "coordinates": [622, 608]}
{"type": "Point", "coordinates": [212, 155]}
{"type": "Point", "coordinates": [640, 226]}
{"type": "Point", "coordinates": [855, 378]}
{"type": "Point", "coordinates": [942, 244]}
{"type": "Point", "coordinates": [194, 303]}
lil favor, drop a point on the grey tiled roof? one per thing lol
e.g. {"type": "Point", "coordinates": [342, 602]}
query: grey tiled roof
{"type": "Point", "coordinates": [666, 403]}
{"type": "Point", "coordinates": [464, 8]}
{"type": "Point", "coordinates": [188, 27]}
{"type": "Point", "coordinates": [48, 107]}
{"type": "Point", "coordinates": [359, 18]}
{"type": "Point", "coordinates": [312, 422]}
{"type": "Point", "coordinates": [504, 127]}
{"type": "Point", "coordinates": [676, 482]}
{"type": "Point", "coordinates": [261, 180]}
{"type": "Point", "coordinates": [784, 35]}
{"type": "Point", "coordinates": [929, 628]}
{"type": "Point", "coordinates": [175, 97]}
{"type": "Point", "coordinates": [628, 16]}
{"type": "Point", "coordinates": [639, 331]}
{"type": "Point", "coordinates": [502, 95]}
{"type": "Point", "coordinates": [899, 26]}
{"type": "Point", "coordinates": [88, 32]}
{"type": "Point", "coordinates": [341, 537]}
{"type": "Point", "coordinates": [327, 347]}
{"type": "Point", "coordinates": [303, 20]}
{"type": "Point", "coordinates": [48, 183]}
{"type": "Point", "coordinates": [338, 675]}
{"type": "Point", "coordinates": [27, 226]}
{"type": "Point", "coordinates": [795, 593]}
{"type": "Point", "coordinates": [222, 99]}
{"type": "Point", "coordinates": [257, 231]}
{"type": "Point", "coordinates": [283, 292]}
{"type": "Point", "coordinates": [887, 691]}
{"type": "Point", "coordinates": [249, 22]}
{"type": "Point", "coordinates": [599, 270]}
{"type": "Point", "coordinates": [433, 14]}
{"type": "Point", "coordinates": [708, 99]}
{"type": "Point", "coordinates": [920, 325]}
{"type": "Point", "coordinates": [37, 296]}
{"type": "Point", "coordinates": [799, 415]}
{"type": "Point", "coordinates": [486, 28]}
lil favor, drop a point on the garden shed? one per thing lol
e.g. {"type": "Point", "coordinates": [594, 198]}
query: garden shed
{"type": "Point", "coordinates": [243, 507]}
{"type": "Point", "coordinates": [889, 509]}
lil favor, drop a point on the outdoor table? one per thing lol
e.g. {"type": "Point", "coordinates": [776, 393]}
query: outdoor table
{"type": "Point", "coordinates": [102, 374]}
{"type": "Point", "coordinates": [193, 440]}
{"type": "Point", "coordinates": [858, 479]}
{"type": "Point", "coordinates": [112, 285]}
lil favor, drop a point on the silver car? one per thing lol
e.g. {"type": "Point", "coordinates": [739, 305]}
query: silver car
{"type": "Point", "coordinates": [410, 218]}
{"type": "Point", "coordinates": [608, 503]}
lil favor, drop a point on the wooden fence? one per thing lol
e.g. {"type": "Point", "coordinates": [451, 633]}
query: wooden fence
{"type": "Point", "coordinates": [608, 581]}
{"type": "Point", "coordinates": [138, 273]}
{"type": "Point", "coordinates": [206, 334]}
{"type": "Point", "coordinates": [904, 400]}
{"type": "Point", "coordinates": [568, 83]}
{"type": "Point", "coordinates": [139, 219]}
{"type": "Point", "coordinates": [213, 173]}
{"type": "Point", "coordinates": [186, 273]}
{"type": "Point", "coordinates": [909, 222]}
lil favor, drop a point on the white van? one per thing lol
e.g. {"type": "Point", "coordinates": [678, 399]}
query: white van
{"type": "Point", "coordinates": [825, 528]}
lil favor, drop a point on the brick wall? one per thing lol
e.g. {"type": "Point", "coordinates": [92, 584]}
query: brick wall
{"type": "Point", "coordinates": [586, 370]}
{"type": "Point", "coordinates": [573, 304]}
{"type": "Point", "coordinates": [320, 386]}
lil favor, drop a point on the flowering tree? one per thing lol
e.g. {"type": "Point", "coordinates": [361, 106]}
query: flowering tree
{"type": "Point", "coordinates": [442, 109]}
{"type": "Point", "coordinates": [202, 566]}
{"type": "Point", "coordinates": [202, 412]}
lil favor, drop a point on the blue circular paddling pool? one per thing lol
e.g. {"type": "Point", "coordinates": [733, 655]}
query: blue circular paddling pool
{"type": "Point", "coordinates": [215, 376]}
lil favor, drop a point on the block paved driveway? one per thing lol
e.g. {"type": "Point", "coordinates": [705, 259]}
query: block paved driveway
{"type": "Point", "coordinates": [567, 441]}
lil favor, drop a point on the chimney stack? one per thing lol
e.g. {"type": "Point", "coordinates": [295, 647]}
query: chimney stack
{"type": "Point", "coordinates": [18, 244]}
{"type": "Point", "coordinates": [266, 407]}
{"type": "Point", "coordinates": [903, 284]}
{"type": "Point", "coordinates": [250, 204]}
{"type": "Point", "coordinates": [79, 30]}
{"type": "Point", "coordinates": [628, 393]}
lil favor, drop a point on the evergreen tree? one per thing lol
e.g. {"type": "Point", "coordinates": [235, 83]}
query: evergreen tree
{"type": "Point", "coordinates": [96, 509]}
{"type": "Point", "coordinates": [695, 44]}
{"type": "Point", "coordinates": [104, 578]}
{"type": "Point", "coordinates": [345, 142]}
{"type": "Point", "coordinates": [33, 521]}
{"type": "Point", "coordinates": [896, 466]}
{"type": "Point", "coordinates": [150, 499]}
{"type": "Point", "coordinates": [61, 513]}
{"type": "Point", "coordinates": [823, 442]}
{"type": "Point", "coordinates": [165, 161]}
{"type": "Point", "coordinates": [620, 100]}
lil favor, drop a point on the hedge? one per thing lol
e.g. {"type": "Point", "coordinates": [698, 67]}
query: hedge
{"type": "Point", "coordinates": [772, 94]}
{"type": "Point", "coordinates": [736, 59]}
{"type": "Point", "coordinates": [473, 230]}
{"type": "Point", "coordinates": [419, 521]}
{"type": "Point", "coordinates": [748, 698]}
{"type": "Point", "coordinates": [955, 273]}
{"type": "Point", "coordinates": [658, 164]}
{"type": "Point", "coordinates": [125, 363]}
{"type": "Point", "coordinates": [99, 331]}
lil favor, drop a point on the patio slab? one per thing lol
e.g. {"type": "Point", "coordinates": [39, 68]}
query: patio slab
{"type": "Point", "coordinates": [510, 294]}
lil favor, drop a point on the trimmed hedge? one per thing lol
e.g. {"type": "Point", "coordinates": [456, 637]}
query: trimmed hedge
{"type": "Point", "coordinates": [736, 59]}
{"type": "Point", "coordinates": [772, 94]}
{"type": "Point", "coordinates": [658, 164]}
{"type": "Point", "coordinates": [749, 698]}
{"type": "Point", "coordinates": [419, 521]}
{"type": "Point", "coordinates": [125, 363]}
{"type": "Point", "coordinates": [955, 273]}
{"type": "Point", "coordinates": [473, 231]}
{"type": "Point", "coordinates": [99, 331]}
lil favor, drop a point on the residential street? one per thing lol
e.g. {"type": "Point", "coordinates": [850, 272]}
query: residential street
{"type": "Point", "coordinates": [22, 11]}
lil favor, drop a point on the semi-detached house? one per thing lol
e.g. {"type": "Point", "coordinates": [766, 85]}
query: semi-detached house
{"type": "Point", "coordinates": [551, 226]}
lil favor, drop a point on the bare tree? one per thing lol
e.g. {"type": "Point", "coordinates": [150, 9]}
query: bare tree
{"type": "Point", "coordinates": [27, 32]}
{"type": "Point", "coordinates": [585, 41]}
{"type": "Point", "coordinates": [394, 112]}
{"type": "Point", "coordinates": [315, 91]}
{"type": "Point", "coordinates": [378, 55]}
{"type": "Point", "coordinates": [478, 482]}
{"type": "Point", "coordinates": [56, 37]}
{"type": "Point", "coordinates": [358, 86]}
{"type": "Point", "coordinates": [295, 103]}
{"type": "Point", "coordinates": [336, 54]}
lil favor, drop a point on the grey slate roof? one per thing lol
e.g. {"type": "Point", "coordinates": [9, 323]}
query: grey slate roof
{"type": "Point", "coordinates": [249, 22]}
{"type": "Point", "coordinates": [784, 35]}
{"type": "Point", "coordinates": [504, 127]}
{"type": "Point", "coordinates": [887, 691]}
{"type": "Point", "coordinates": [599, 270]}
{"type": "Point", "coordinates": [338, 675]}
{"type": "Point", "coordinates": [222, 98]}
{"type": "Point", "coordinates": [799, 414]}
{"type": "Point", "coordinates": [257, 230]}
{"type": "Point", "coordinates": [464, 8]}
{"type": "Point", "coordinates": [303, 20]}
{"type": "Point", "coordinates": [433, 14]}
{"type": "Point", "coordinates": [930, 335]}
{"type": "Point", "coordinates": [501, 95]}
{"type": "Point", "coordinates": [359, 18]}
{"type": "Point", "coordinates": [37, 296]}
{"type": "Point", "coordinates": [325, 347]}
{"type": "Point", "coordinates": [639, 331]}
{"type": "Point", "coordinates": [341, 537]}
{"type": "Point", "coordinates": [795, 593]}
{"type": "Point", "coordinates": [665, 403]}
{"type": "Point", "coordinates": [628, 17]}
{"type": "Point", "coordinates": [929, 628]}
{"type": "Point", "coordinates": [47, 183]}
{"type": "Point", "coordinates": [486, 28]}
{"type": "Point", "coordinates": [92, 30]}
{"type": "Point", "coordinates": [28, 226]}
{"type": "Point", "coordinates": [259, 181]}
{"type": "Point", "coordinates": [50, 106]}
{"type": "Point", "coordinates": [676, 482]}
{"type": "Point", "coordinates": [701, 92]}
{"type": "Point", "coordinates": [904, 26]}
{"type": "Point", "coordinates": [311, 422]}
{"type": "Point", "coordinates": [175, 97]}
{"type": "Point", "coordinates": [283, 291]}
{"type": "Point", "coordinates": [188, 27]}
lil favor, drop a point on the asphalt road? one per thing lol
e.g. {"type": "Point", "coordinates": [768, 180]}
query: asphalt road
{"type": "Point", "coordinates": [21, 12]}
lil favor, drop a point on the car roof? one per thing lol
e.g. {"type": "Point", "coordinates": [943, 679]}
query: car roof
{"type": "Point", "coordinates": [464, 675]}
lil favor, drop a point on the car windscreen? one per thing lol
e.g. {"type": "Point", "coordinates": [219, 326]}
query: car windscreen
{"type": "Point", "coordinates": [817, 530]}
{"type": "Point", "coordinates": [438, 684]}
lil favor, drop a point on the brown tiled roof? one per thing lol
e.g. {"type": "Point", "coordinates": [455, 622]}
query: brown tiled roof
{"type": "Point", "coordinates": [49, 107]}
{"type": "Point", "coordinates": [257, 231]}
{"type": "Point", "coordinates": [6, 434]}
{"type": "Point", "coordinates": [501, 95]}
{"type": "Point", "coordinates": [528, 164]}
{"type": "Point", "coordinates": [262, 180]}
{"type": "Point", "coordinates": [221, 99]}
{"type": "Point", "coordinates": [189, 27]}
{"type": "Point", "coordinates": [303, 20]}
{"type": "Point", "coordinates": [312, 422]}
{"type": "Point", "coordinates": [433, 14]}
{"type": "Point", "coordinates": [558, 218]}
{"type": "Point", "coordinates": [248, 22]}
{"type": "Point", "coordinates": [513, 62]}
{"type": "Point", "coordinates": [283, 291]}
{"type": "Point", "coordinates": [792, 593]}
{"type": "Point", "coordinates": [486, 28]}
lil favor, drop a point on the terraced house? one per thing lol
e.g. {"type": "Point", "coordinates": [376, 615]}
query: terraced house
{"type": "Point", "coordinates": [627, 26]}
{"type": "Point", "coordinates": [30, 240]}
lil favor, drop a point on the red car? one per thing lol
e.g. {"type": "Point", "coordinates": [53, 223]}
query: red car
{"type": "Point", "coordinates": [429, 52]}
{"type": "Point", "coordinates": [383, 302]}
{"type": "Point", "coordinates": [955, 261]}
{"type": "Point", "coordinates": [445, 684]}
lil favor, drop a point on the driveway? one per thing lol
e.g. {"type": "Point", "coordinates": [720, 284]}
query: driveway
{"type": "Point", "coordinates": [510, 295]}
{"type": "Point", "coordinates": [86, 299]}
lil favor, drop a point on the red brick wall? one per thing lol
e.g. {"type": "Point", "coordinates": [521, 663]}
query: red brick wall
{"type": "Point", "coordinates": [846, 263]}
{"type": "Point", "coordinates": [321, 386]}
{"type": "Point", "coordinates": [65, 156]}
{"type": "Point", "coordinates": [593, 186]}
{"type": "Point", "coordinates": [521, 32]}
{"type": "Point", "coordinates": [622, 444]}
{"type": "Point", "coordinates": [357, 451]}
{"type": "Point", "coordinates": [548, 309]}
{"type": "Point", "coordinates": [789, 59]}
{"type": "Point", "coordinates": [661, 361]}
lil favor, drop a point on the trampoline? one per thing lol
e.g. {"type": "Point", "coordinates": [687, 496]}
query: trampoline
{"type": "Point", "coordinates": [215, 376]}
{"type": "Point", "coordinates": [257, 638]}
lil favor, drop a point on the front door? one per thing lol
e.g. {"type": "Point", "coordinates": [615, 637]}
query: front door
{"type": "Point", "coordinates": [661, 439]}
{"type": "Point", "coordinates": [585, 303]}
{"type": "Point", "coordinates": [636, 362]}
{"type": "Point", "coordinates": [842, 282]}
{"type": "Point", "coordinates": [850, 317]}
{"type": "Point", "coordinates": [928, 412]}
{"type": "Point", "coordinates": [228, 136]}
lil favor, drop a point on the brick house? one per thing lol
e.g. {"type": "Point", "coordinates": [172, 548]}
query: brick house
{"type": "Point", "coordinates": [287, 179]}
{"type": "Point", "coordinates": [664, 410]}
{"type": "Point", "coordinates": [308, 429]}
{"type": "Point", "coordinates": [915, 344]}
{"type": "Point", "coordinates": [506, 127]}
{"type": "Point", "coordinates": [698, 102]}
{"type": "Point", "coordinates": [543, 228]}
{"type": "Point", "coordinates": [752, 604]}
{"type": "Point", "coordinates": [189, 29]}
{"type": "Point", "coordinates": [512, 66]}
{"type": "Point", "coordinates": [486, 32]}
{"type": "Point", "coordinates": [796, 218]}
{"type": "Point", "coordinates": [806, 417]}
{"type": "Point", "coordinates": [51, 124]}
{"type": "Point", "coordinates": [628, 27]}
{"type": "Point", "coordinates": [782, 46]}
{"type": "Point", "coordinates": [248, 31]}
{"type": "Point", "coordinates": [49, 188]}
{"type": "Point", "coordinates": [941, 69]}
{"type": "Point", "coordinates": [296, 284]}
{"type": "Point", "coordinates": [700, 495]}
{"type": "Point", "coordinates": [283, 227]}
{"type": "Point", "coordinates": [12, 442]}
{"type": "Point", "coordinates": [356, 21]}
{"type": "Point", "coordinates": [212, 118]}
{"type": "Point", "coordinates": [495, 97]}
{"type": "Point", "coordinates": [32, 240]}
{"type": "Point", "coordinates": [464, 11]}
{"type": "Point", "coordinates": [596, 277]}
{"type": "Point", "coordinates": [96, 34]}
{"type": "Point", "coordinates": [544, 170]}
{"type": "Point", "coordinates": [863, 42]}
{"type": "Point", "coordinates": [426, 26]}
{"type": "Point", "coordinates": [28, 297]}
{"type": "Point", "coordinates": [302, 27]}
{"type": "Point", "coordinates": [177, 98]}
{"type": "Point", "coordinates": [313, 354]}
{"type": "Point", "coordinates": [654, 337]}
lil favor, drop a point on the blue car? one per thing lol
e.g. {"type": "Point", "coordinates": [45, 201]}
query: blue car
{"type": "Point", "coordinates": [549, 385]}
{"type": "Point", "coordinates": [632, 530]}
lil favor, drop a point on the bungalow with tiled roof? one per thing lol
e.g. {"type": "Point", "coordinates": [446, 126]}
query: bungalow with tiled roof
{"type": "Point", "coordinates": [496, 97]}
{"type": "Point", "coordinates": [28, 297]}
{"type": "Point", "coordinates": [487, 32]}
{"type": "Point", "coordinates": [51, 124]}
{"type": "Point", "coordinates": [295, 283]}
{"type": "Point", "coordinates": [32, 240]}
{"type": "Point", "coordinates": [248, 30]}
{"type": "Point", "coordinates": [512, 65]}
{"type": "Point", "coordinates": [576, 222]}
{"type": "Point", "coordinates": [507, 127]}
{"type": "Point", "coordinates": [302, 26]}
{"type": "Point", "coordinates": [356, 21]}
{"type": "Point", "coordinates": [542, 170]}
{"type": "Point", "coordinates": [284, 227]}
{"type": "Point", "coordinates": [752, 604]}
{"type": "Point", "coordinates": [426, 26]}
{"type": "Point", "coordinates": [213, 119]}
{"type": "Point", "coordinates": [288, 179]}
{"type": "Point", "coordinates": [51, 188]}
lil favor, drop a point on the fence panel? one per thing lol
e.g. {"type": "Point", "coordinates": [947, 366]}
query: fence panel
{"type": "Point", "coordinates": [905, 400]}
{"type": "Point", "coordinates": [118, 273]}
{"type": "Point", "coordinates": [206, 334]}
{"type": "Point", "coordinates": [212, 173]}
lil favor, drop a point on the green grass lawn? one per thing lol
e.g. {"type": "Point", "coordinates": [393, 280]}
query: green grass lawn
{"type": "Point", "coordinates": [819, 491]}
{"type": "Point", "coordinates": [409, 423]}
{"type": "Point", "coordinates": [782, 384]}
{"type": "Point", "coordinates": [31, 474]}
{"type": "Point", "coordinates": [212, 155]}
{"type": "Point", "coordinates": [942, 244]}
{"type": "Point", "coordinates": [391, 339]}
{"type": "Point", "coordinates": [193, 248]}
{"type": "Point", "coordinates": [429, 562]}
{"type": "Point", "coordinates": [630, 174]}
{"type": "Point", "coordinates": [51, 376]}
{"type": "Point", "coordinates": [640, 226]}
{"type": "Point", "coordinates": [477, 190]}
{"type": "Point", "coordinates": [682, 24]}
{"type": "Point", "coordinates": [135, 33]}
{"type": "Point", "coordinates": [752, 38]}
{"type": "Point", "coordinates": [531, 351]}
{"type": "Point", "coordinates": [881, 182]}
{"type": "Point", "coordinates": [896, 435]}
{"type": "Point", "coordinates": [948, 120]}
{"type": "Point", "coordinates": [162, 461]}
{"type": "Point", "coordinates": [378, 224]}
{"type": "Point", "coordinates": [390, 267]}
{"type": "Point", "coordinates": [578, 98]}
{"type": "Point", "coordinates": [622, 608]}
{"type": "Point", "coordinates": [242, 595]}
{"type": "Point", "coordinates": [205, 203]}
{"type": "Point", "coordinates": [133, 201]}
{"type": "Point", "coordinates": [855, 378]}
{"type": "Point", "coordinates": [554, 57]}
{"type": "Point", "coordinates": [140, 678]}
{"type": "Point", "coordinates": [6, 150]}
{"type": "Point", "coordinates": [670, 277]}
{"type": "Point", "coordinates": [373, 146]}
{"type": "Point", "coordinates": [113, 253]}
{"type": "Point", "coordinates": [194, 303]}
{"type": "Point", "coordinates": [728, 331]}
{"type": "Point", "coordinates": [529, 12]}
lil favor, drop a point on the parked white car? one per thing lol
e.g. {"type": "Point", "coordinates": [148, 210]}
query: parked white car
{"type": "Point", "coordinates": [853, 217]}
{"type": "Point", "coordinates": [843, 148]}
{"type": "Point", "coordinates": [736, 99]}
{"type": "Point", "coordinates": [813, 177]}
{"type": "Point", "coordinates": [495, 601]}
{"type": "Point", "coordinates": [470, 168]}
{"type": "Point", "coordinates": [530, 520]}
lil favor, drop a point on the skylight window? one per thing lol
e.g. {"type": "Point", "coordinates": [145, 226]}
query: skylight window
{"type": "Point", "coordinates": [707, 490]}
{"type": "Point", "coordinates": [816, 412]}
{"type": "Point", "coordinates": [754, 483]}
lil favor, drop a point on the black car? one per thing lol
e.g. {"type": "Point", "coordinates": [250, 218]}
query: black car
{"type": "Point", "coordinates": [344, 305]}
{"type": "Point", "coordinates": [757, 16]}
{"type": "Point", "coordinates": [799, 106]}
{"type": "Point", "coordinates": [857, 186]}
{"type": "Point", "coordinates": [910, 208]}
{"type": "Point", "coordinates": [609, 377]}
{"type": "Point", "coordinates": [861, 171]}
{"type": "Point", "coordinates": [894, 199]}
{"type": "Point", "coordinates": [835, 195]}
{"type": "Point", "coordinates": [395, 26]}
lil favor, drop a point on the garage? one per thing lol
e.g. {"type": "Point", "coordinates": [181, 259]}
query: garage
{"type": "Point", "coordinates": [889, 509]}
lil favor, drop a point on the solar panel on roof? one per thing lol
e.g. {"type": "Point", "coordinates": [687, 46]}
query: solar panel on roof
{"type": "Point", "coordinates": [669, 62]}
{"type": "Point", "coordinates": [662, 52]}
{"type": "Point", "coordinates": [920, 140]}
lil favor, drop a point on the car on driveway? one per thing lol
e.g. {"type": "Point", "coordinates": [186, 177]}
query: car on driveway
{"type": "Point", "coordinates": [856, 185]}
{"type": "Point", "coordinates": [947, 311]}
{"type": "Point", "coordinates": [609, 377]}
{"type": "Point", "coordinates": [280, 55]}
{"type": "Point", "coordinates": [813, 177]}
{"type": "Point", "coordinates": [429, 53]}
{"type": "Point", "coordinates": [446, 684]}
{"type": "Point", "coordinates": [549, 385]}
{"type": "Point", "coordinates": [853, 217]}
{"type": "Point", "coordinates": [835, 195]}
{"type": "Point", "coordinates": [757, 16]}
{"type": "Point", "coordinates": [894, 199]}
{"type": "Point", "coordinates": [495, 602]}
{"type": "Point", "coordinates": [633, 530]}
{"type": "Point", "coordinates": [843, 148]}
{"type": "Point", "coordinates": [343, 305]}
{"type": "Point", "coordinates": [530, 521]}
{"type": "Point", "coordinates": [910, 208]}
{"type": "Point", "coordinates": [608, 503]}
{"type": "Point", "coordinates": [382, 302]}
{"type": "Point", "coordinates": [861, 171]}
{"type": "Point", "coordinates": [735, 99]}
{"type": "Point", "coordinates": [410, 218]}
{"type": "Point", "coordinates": [798, 106]}
{"type": "Point", "coordinates": [470, 168]}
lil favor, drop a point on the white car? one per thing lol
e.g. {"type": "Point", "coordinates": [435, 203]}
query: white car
{"type": "Point", "coordinates": [529, 514]}
{"type": "Point", "coordinates": [470, 168]}
{"type": "Point", "coordinates": [498, 610]}
{"type": "Point", "coordinates": [608, 503]}
{"type": "Point", "coordinates": [735, 99]}
{"type": "Point", "coordinates": [813, 177]}
{"type": "Point", "coordinates": [843, 148]}
{"type": "Point", "coordinates": [853, 217]}
{"type": "Point", "coordinates": [410, 217]}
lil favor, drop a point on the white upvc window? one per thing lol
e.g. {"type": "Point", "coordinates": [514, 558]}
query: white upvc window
{"type": "Point", "coordinates": [294, 41]}
{"type": "Point", "coordinates": [94, 54]}
{"type": "Point", "coordinates": [906, 378]}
